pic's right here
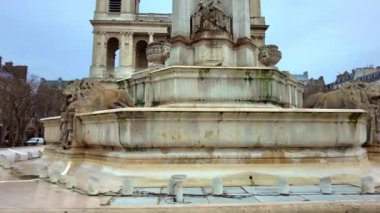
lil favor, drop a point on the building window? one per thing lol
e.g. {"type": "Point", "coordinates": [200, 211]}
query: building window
{"type": "Point", "coordinates": [114, 6]}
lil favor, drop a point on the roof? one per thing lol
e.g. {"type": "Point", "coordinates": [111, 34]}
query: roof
{"type": "Point", "coordinates": [4, 73]}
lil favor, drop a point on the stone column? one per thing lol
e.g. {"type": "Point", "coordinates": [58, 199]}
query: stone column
{"type": "Point", "coordinates": [151, 37]}
{"type": "Point", "coordinates": [101, 9]}
{"type": "Point", "coordinates": [123, 63]}
{"type": "Point", "coordinates": [101, 6]}
{"type": "Point", "coordinates": [182, 12]}
{"type": "Point", "coordinates": [102, 61]}
{"type": "Point", "coordinates": [241, 19]}
{"type": "Point", "coordinates": [131, 49]}
{"type": "Point", "coordinates": [130, 6]}
{"type": "Point", "coordinates": [98, 55]}
{"type": "Point", "coordinates": [255, 8]}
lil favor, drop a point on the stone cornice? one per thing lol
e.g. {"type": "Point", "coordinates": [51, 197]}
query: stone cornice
{"type": "Point", "coordinates": [259, 27]}
{"type": "Point", "coordinates": [143, 23]}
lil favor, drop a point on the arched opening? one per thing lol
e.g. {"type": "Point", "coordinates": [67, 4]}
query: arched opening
{"type": "Point", "coordinates": [112, 50]}
{"type": "Point", "coordinates": [141, 61]}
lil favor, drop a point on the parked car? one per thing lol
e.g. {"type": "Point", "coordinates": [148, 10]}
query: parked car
{"type": "Point", "coordinates": [35, 141]}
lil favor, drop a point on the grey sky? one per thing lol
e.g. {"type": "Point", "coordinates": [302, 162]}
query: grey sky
{"type": "Point", "coordinates": [325, 37]}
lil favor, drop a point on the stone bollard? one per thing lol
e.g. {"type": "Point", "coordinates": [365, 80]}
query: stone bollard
{"type": "Point", "coordinates": [176, 187]}
{"type": "Point", "coordinates": [368, 185]}
{"type": "Point", "coordinates": [217, 186]}
{"type": "Point", "coordinates": [70, 182]}
{"type": "Point", "coordinates": [43, 172]}
{"type": "Point", "coordinates": [93, 186]}
{"type": "Point", "coordinates": [325, 185]}
{"type": "Point", "coordinates": [127, 188]}
{"type": "Point", "coordinates": [283, 186]}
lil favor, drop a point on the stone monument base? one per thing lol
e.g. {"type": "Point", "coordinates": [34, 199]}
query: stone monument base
{"type": "Point", "coordinates": [151, 144]}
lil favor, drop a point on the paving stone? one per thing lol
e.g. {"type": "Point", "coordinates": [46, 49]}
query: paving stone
{"type": "Point", "coordinates": [187, 199]}
{"type": "Point", "coordinates": [274, 199]}
{"type": "Point", "coordinates": [221, 200]}
{"type": "Point", "coordinates": [234, 190]}
{"type": "Point", "coordinates": [304, 189]}
{"type": "Point", "coordinates": [250, 189]}
{"type": "Point", "coordinates": [151, 190]}
{"type": "Point", "coordinates": [193, 191]}
{"type": "Point", "coordinates": [266, 190]}
{"type": "Point", "coordinates": [337, 189]}
{"type": "Point", "coordinates": [323, 197]}
{"type": "Point", "coordinates": [227, 190]}
{"type": "Point", "coordinates": [363, 197]}
{"type": "Point", "coordinates": [128, 201]}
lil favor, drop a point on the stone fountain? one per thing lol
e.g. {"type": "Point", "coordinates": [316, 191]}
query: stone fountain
{"type": "Point", "coordinates": [218, 108]}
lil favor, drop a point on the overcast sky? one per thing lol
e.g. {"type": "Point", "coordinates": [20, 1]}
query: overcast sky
{"type": "Point", "coordinates": [324, 37]}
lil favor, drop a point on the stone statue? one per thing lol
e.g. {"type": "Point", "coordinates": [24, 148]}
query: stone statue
{"type": "Point", "coordinates": [87, 96]}
{"type": "Point", "coordinates": [210, 16]}
{"type": "Point", "coordinates": [351, 96]}
{"type": "Point", "coordinates": [90, 95]}
{"type": "Point", "coordinates": [356, 95]}
{"type": "Point", "coordinates": [67, 125]}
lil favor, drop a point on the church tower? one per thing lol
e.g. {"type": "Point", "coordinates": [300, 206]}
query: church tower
{"type": "Point", "coordinates": [121, 36]}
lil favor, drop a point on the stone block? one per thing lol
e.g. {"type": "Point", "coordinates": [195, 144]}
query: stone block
{"type": "Point", "coordinates": [32, 155]}
{"type": "Point", "coordinates": [19, 156]}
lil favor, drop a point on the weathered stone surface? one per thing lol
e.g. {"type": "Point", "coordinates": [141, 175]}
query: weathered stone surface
{"type": "Point", "coordinates": [353, 96]}
{"type": "Point", "coordinates": [216, 87]}
{"type": "Point", "coordinates": [222, 128]}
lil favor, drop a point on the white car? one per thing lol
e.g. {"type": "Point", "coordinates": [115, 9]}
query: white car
{"type": "Point", "coordinates": [35, 141]}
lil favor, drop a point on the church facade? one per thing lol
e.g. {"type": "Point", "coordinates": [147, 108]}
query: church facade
{"type": "Point", "coordinates": [122, 35]}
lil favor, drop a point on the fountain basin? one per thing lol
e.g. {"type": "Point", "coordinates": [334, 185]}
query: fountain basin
{"type": "Point", "coordinates": [147, 128]}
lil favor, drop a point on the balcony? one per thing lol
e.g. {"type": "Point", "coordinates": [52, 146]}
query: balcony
{"type": "Point", "coordinates": [160, 17]}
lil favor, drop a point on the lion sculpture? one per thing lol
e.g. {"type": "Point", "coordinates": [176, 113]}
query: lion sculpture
{"type": "Point", "coordinates": [356, 95]}
{"type": "Point", "coordinates": [86, 96]}
{"type": "Point", "coordinates": [90, 95]}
